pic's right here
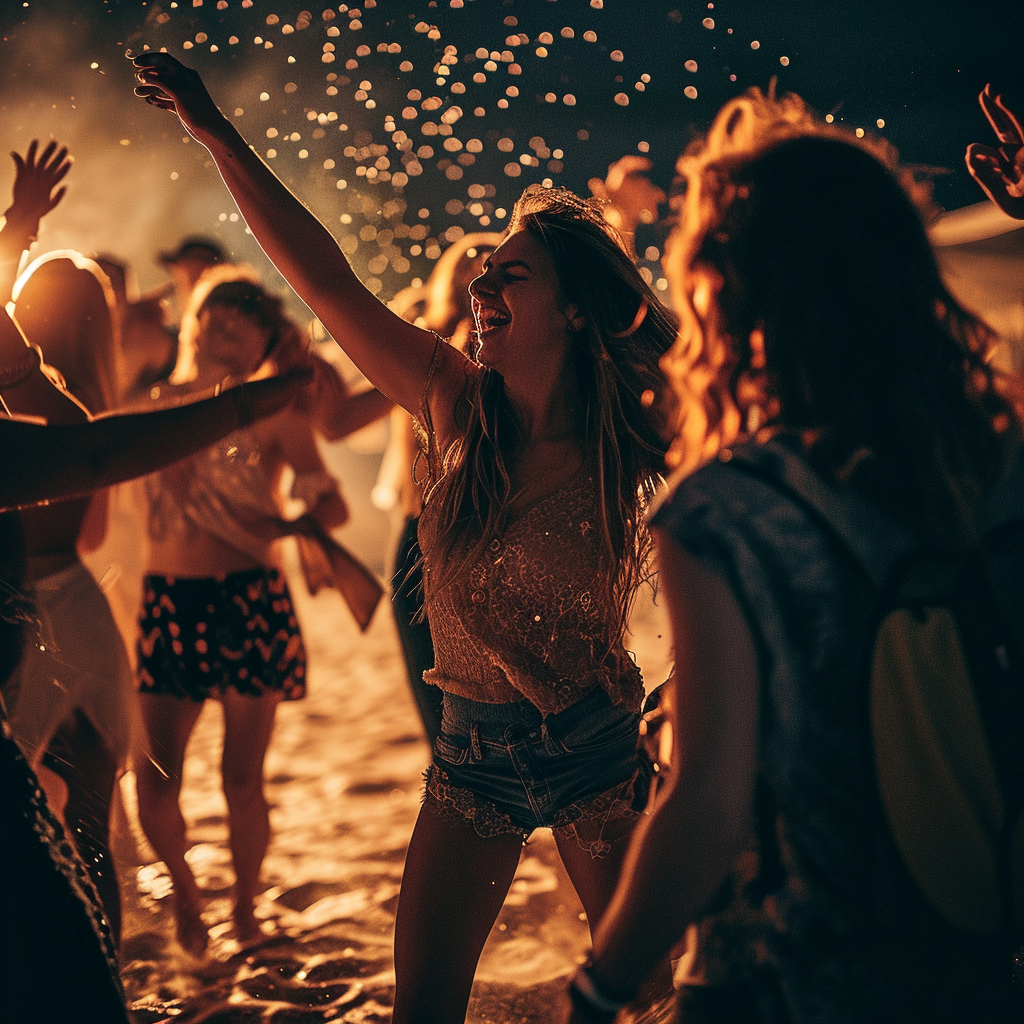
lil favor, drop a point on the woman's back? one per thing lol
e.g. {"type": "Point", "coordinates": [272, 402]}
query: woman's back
{"type": "Point", "coordinates": [825, 899]}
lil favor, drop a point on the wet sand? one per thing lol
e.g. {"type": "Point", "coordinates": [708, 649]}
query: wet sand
{"type": "Point", "coordinates": [344, 784]}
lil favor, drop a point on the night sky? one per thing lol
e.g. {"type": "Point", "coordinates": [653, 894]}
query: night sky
{"type": "Point", "coordinates": [137, 186]}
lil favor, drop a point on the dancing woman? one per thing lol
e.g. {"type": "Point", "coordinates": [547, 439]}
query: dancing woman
{"type": "Point", "coordinates": [53, 910]}
{"type": "Point", "coordinates": [73, 689]}
{"type": "Point", "coordinates": [542, 452]}
{"type": "Point", "coordinates": [446, 310]}
{"type": "Point", "coordinates": [216, 619]}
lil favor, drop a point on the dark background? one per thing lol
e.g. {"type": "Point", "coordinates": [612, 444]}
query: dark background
{"type": "Point", "coordinates": [916, 66]}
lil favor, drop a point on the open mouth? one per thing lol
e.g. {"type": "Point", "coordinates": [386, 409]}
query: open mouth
{"type": "Point", "coordinates": [487, 318]}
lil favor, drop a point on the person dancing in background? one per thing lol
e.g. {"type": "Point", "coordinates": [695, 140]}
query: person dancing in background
{"type": "Point", "coordinates": [819, 350]}
{"type": "Point", "coordinates": [62, 943]}
{"type": "Point", "coordinates": [216, 619]}
{"type": "Point", "coordinates": [446, 311]}
{"type": "Point", "coordinates": [541, 453]}
{"type": "Point", "coordinates": [71, 696]}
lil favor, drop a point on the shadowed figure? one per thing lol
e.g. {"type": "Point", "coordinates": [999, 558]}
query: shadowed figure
{"type": "Point", "coordinates": [839, 417]}
{"type": "Point", "coordinates": [71, 711]}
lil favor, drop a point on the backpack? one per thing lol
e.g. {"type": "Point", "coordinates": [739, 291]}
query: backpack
{"type": "Point", "coordinates": [946, 680]}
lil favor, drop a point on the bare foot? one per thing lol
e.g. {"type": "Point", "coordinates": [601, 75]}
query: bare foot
{"type": "Point", "coordinates": [192, 934]}
{"type": "Point", "coordinates": [247, 928]}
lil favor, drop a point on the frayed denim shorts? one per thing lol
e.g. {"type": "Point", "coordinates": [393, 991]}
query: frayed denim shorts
{"type": "Point", "coordinates": [509, 769]}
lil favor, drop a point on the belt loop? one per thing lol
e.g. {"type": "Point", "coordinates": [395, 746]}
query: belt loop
{"type": "Point", "coordinates": [474, 742]}
{"type": "Point", "coordinates": [551, 743]}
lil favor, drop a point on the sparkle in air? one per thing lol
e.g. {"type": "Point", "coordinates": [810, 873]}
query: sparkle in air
{"type": "Point", "coordinates": [454, 121]}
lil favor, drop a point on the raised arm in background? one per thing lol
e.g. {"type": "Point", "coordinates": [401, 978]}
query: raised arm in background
{"type": "Point", "coordinates": [394, 355]}
{"type": "Point", "coordinates": [35, 180]}
{"type": "Point", "coordinates": [1000, 170]}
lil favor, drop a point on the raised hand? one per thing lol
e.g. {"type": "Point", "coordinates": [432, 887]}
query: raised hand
{"type": "Point", "coordinates": [166, 83]}
{"type": "Point", "coordinates": [999, 170]}
{"type": "Point", "coordinates": [34, 183]}
{"type": "Point", "coordinates": [634, 198]}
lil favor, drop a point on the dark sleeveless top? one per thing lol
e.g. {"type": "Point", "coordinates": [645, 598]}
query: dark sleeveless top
{"type": "Point", "coordinates": [820, 900]}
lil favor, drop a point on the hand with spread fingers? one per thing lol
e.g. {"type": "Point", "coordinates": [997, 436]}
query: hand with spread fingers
{"type": "Point", "coordinates": [632, 197]}
{"type": "Point", "coordinates": [999, 170]}
{"type": "Point", "coordinates": [35, 180]}
{"type": "Point", "coordinates": [166, 83]}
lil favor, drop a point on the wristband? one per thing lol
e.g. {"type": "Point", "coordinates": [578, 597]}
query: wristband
{"type": "Point", "coordinates": [591, 999]}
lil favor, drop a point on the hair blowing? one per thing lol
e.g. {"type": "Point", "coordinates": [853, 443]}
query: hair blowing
{"type": "Point", "coordinates": [615, 360]}
{"type": "Point", "coordinates": [812, 245]}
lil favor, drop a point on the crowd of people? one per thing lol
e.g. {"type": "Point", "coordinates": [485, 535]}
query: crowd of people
{"type": "Point", "coordinates": [834, 436]}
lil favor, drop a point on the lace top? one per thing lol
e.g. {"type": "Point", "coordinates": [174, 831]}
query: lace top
{"type": "Point", "coordinates": [526, 620]}
{"type": "Point", "coordinates": [223, 490]}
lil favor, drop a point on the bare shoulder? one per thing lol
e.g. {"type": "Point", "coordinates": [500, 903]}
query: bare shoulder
{"type": "Point", "coordinates": [451, 392]}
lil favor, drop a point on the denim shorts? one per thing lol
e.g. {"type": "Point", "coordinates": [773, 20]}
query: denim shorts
{"type": "Point", "coordinates": [510, 769]}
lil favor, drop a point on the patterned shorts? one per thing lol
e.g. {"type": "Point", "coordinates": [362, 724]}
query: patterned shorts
{"type": "Point", "coordinates": [197, 637]}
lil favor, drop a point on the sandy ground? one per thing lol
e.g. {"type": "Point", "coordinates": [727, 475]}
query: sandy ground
{"type": "Point", "coordinates": [344, 784]}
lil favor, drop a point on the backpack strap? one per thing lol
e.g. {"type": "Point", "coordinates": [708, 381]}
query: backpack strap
{"type": "Point", "coordinates": [871, 540]}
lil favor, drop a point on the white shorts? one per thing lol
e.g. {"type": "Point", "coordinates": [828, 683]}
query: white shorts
{"type": "Point", "coordinates": [77, 660]}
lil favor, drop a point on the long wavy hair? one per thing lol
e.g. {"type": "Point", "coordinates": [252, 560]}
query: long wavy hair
{"type": "Point", "coordinates": [65, 304]}
{"type": "Point", "coordinates": [615, 361]}
{"type": "Point", "coordinates": [811, 302]}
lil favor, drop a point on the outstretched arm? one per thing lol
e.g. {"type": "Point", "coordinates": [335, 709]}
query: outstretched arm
{"type": "Point", "coordinates": [393, 354]}
{"type": "Point", "coordinates": [36, 193]}
{"type": "Point", "coordinates": [1000, 170]}
{"type": "Point", "coordinates": [43, 463]}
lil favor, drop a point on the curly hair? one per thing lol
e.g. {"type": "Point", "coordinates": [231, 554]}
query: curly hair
{"type": "Point", "coordinates": [615, 360]}
{"type": "Point", "coordinates": [811, 302]}
{"type": "Point", "coordinates": [235, 287]}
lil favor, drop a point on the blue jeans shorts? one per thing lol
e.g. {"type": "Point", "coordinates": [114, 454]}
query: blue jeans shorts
{"type": "Point", "coordinates": [509, 769]}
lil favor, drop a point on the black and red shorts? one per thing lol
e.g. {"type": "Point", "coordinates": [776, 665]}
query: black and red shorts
{"type": "Point", "coordinates": [197, 637]}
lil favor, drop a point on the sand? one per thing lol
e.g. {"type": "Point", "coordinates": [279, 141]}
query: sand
{"type": "Point", "coordinates": [344, 781]}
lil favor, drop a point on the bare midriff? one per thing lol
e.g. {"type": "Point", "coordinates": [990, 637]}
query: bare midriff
{"type": "Point", "coordinates": [198, 554]}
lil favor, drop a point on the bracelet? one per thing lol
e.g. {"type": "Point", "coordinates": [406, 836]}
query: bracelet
{"type": "Point", "coordinates": [590, 998]}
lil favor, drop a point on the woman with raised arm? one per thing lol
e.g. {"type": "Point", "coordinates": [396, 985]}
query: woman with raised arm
{"type": "Point", "coordinates": [542, 452]}
{"type": "Point", "coordinates": [52, 915]}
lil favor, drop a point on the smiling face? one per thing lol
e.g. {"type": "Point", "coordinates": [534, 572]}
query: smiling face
{"type": "Point", "coordinates": [231, 339]}
{"type": "Point", "coordinates": [519, 311]}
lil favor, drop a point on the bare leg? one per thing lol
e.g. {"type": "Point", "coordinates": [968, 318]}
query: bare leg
{"type": "Point", "coordinates": [78, 754]}
{"type": "Point", "coordinates": [248, 724]}
{"type": "Point", "coordinates": [595, 880]}
{"type": "Point", "coordinates": [453, 887]}
{"type": "Point", "coordinates": [169, 723]}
